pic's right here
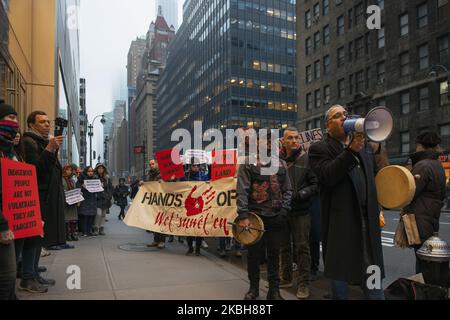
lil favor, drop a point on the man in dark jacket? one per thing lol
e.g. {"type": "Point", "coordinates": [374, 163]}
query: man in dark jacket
{"type": "Point", "coordinates": [305, 186]}
{"type": "Point", "coordinates": [430, 188]}
{"type": "Point", "coordinates": [120, 194]}
{"type": "Point", "coordinates": [351, 235]}
{"type": "Point", "coordinates": [41, 150]}
{"type": "Point", "coordinates": [268, 196]}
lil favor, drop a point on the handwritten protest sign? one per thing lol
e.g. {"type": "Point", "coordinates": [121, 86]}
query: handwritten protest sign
{"type": "Point", "coordinates": [189, 208]}
{"type": "Point", "coordinates": [223, 164]}
{"type": "Point", "coordinates": [93, 186]}
{"type": "Point", "coordinates": [74, 196]}
{"type": "Point", "coordinates": [21, 199]}
{"type": "Point", "coordinates": [309, 137]}
{"type": "Point", "coordinates": [167, 166]}
{"type": "Point", "coordinates": [202, 156]}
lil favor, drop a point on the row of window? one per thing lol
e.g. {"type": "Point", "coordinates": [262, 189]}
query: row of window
{"type": "Point", "coordinates": [326, 63]}
{"type": "Point", "coordinates": [263, 47]}
{"type": "Point", "coordinates": [264, 29]}
{"type": "Point", "coordinates": [263, 85]}
{"type": "Point", "coordinates": [272, 67]}
{"type": "Point", "coordinates": [269, 11]}
{"type": "Point", "coordinates": [405, 137]}
{"type": "Point", "coordinates": [317, 96]}
{"type": "Point", "coordinates": [265, 104]}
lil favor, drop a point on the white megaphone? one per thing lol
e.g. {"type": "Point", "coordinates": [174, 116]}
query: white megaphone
{"type": "Point", "coordinates": [377, 126]}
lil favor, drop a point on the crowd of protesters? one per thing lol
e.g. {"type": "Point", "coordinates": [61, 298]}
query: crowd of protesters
{"type": "Point", "coordinates": [326, 196]}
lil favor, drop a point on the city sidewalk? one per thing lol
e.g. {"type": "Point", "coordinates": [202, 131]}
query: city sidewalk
{"type": "Point", "coordinates": [110, 273]}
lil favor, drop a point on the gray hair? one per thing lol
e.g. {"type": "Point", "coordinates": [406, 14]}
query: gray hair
{"type": "Point", "coordinates": [328, 113]}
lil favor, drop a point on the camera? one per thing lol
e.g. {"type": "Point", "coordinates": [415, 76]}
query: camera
{"type": "Point", "coordinates": [60, 124]}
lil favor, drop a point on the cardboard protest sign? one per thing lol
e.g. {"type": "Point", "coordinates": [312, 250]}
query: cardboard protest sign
{"type": "Point", "coordinates": [167, 166]}
{"type": "Point", "coordinates": [199, 209]}
{"type": "Point", "coordinates": [21, 199]}
{"type": "Point", "coordinates": [93, 186]}
{"type": "Point", "coordinates": [309, 137]}
{"type": "Point", "coordinates": [202, 156]}
{"type": "Point", "coordinates": [223, 164]}
{"type": "Point", "coordinates": [73, 196]}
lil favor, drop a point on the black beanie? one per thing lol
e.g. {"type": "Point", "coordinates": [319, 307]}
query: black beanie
{"type": "Point", "coordinates": [428, 139]}
{"type": "Point", "coordinates": [6, 109]}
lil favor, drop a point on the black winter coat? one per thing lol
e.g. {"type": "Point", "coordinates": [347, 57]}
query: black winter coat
{"type": "Point", "coordinates": [341, 216]}
{"type": "Point", "coordinates": [304, 183]}
{"type": "Point", "coordinates": [104, 199]}
{"type": "Point", "coordinates": [88, 207]}
{"type": "Point", "coordinates": [51, 192]}
{"type": "Point", "coordinates": [120, 195]}
{"type": "Point", "coordinates": [430, 192]}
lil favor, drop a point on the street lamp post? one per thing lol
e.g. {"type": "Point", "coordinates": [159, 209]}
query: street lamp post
{"type": "Point", "coordinates": [91, 134]}
{"type": "Point", "coordinates": [434, 73]}
{"type": "Point", "coordinates": [105, 153]}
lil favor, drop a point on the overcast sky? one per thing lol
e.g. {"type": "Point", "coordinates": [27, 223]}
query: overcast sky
{"type": "Point", "coordinates": [107, 28]}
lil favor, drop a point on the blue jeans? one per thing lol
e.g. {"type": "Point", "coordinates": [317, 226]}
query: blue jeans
{"type": "Point", "coordinates": [339, 290]}
{"type": "Point", "coordinates": [30, 262]}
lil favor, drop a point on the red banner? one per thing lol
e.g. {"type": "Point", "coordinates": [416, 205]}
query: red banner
{"type": "Point", "coordinates": [223, 164]}
{"type": "Point", "coordinates": [167, 165]}
{"type": "Point", "coordinates": [21, 199]}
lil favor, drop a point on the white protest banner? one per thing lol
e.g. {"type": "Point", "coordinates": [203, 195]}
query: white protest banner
{"type": "Point", "coordinates": [93, 186]}
{"type": "Point", "coordinates": [309, 137]}
{"type": "Point", "coordinates": [201, 155]}
{"type": "Point", "coordinates": [73, 196]}
{"type": "Point", "coordinates": [188, 208]}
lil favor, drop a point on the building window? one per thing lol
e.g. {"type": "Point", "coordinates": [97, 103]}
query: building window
{"type": "Point", "coordinates": [326, 95]}
{"type": "Point", "coordinates": [404, 64]}
{"type": "Point", "coordinates": [308, 101]}
{"type": "Point", "coordinates": [350, 18]}
{"type": "Point", "coordinates": [367, 42]}
{"type": "Point", "coordinates": [444, 51]}
{"type": "Point", "coordinates": [442, 9]}
{"type": "Point", "coordinates": [316, 40]}
{"type": "Point", "coordinates": [360, 81]}
{"type": "Point", "coordinates": [326, 64]}
{"type": "Point", "coordinates": [359, 14]}
{"type": "Point", "coordinates": [317, 101]}
{"type": "Point", "coordinates": [350, 51]}
{"type": "Point", "coordinates": [316, 10]}
{"type": "Point", "coordinates": [381, 4]}
{"type": "Point", "coordinates": [423, 57]}
{"type": "Point", "coordinates": [444, 93]}
{"type": "Point", "coordinates": [308, 19]}
{"type": "Point", "coordinates": [424, 101]}
{"type": "Point", "coordinates": [317, 123]}
{"type": "Point", "coordinates": [381, 71]}
{"type": "Point", "coordinates": [309, 125]}
{"type": "Point", "coordinates": [308, 46]}
{"type": "Point", "coordinates": [444, 131]}
{"type": "Point", "coordinates": [405, 140]}
{"type": "Point", "coordinates": [340, 56]}
{"type": "Point", "coordinates": [350, 82]}
{"type": "Point", "coordinates": [326, 35]}
{"type": "Point", "coordinates": [422, 15]}
{"type": "Point", "coordinates": [317, 69]}
{"type": "Point", "coordinates": [404, 102]}
{"type": "Point", "coordinates": [340, 25]}
{"type": "Point", "coordinates": [325, 7]}
{"type": "Point", "coordinates": [308, 74]}
{"type": "Point", "coordinates": [338, 2]}
{"type": "Point", "coordinates": [341, 88]}
{"type": "Point", "coordinates": [368, 77]}
{"type": "Point", "coordinates": [380, 37]}
{"type": "Point", "coordinates": [404, 24]}
{"type": "Point", "coordinates": [359, 47]}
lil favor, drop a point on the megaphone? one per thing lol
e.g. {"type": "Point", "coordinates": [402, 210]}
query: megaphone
{"type": "Point", "coordinates": [377, 126]}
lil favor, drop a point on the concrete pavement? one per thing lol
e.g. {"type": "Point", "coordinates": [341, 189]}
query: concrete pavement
{"type": "Point", "coordinates": [110, 273]}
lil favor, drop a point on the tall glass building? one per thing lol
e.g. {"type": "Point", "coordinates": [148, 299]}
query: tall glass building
{"type": "Point", "coordinates": [232, 64]}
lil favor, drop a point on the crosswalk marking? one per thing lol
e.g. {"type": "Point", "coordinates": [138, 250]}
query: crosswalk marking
{"type": "Point", "coordinates": [388, 232]}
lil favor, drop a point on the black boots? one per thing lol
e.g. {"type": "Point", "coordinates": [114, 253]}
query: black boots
{"type": "Point", "coordinates": [274, 294]}
{"type": "Point", "coordinates": [252, 294]}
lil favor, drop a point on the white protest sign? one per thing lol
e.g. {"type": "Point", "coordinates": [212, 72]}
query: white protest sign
{"type": "Point", "coordinates": [93, 186]}
{"type": "Point", "coordinates": [309, 137]}
{"type": "Point", "coordinates": [201, 155]}
{"type": "Point", "coordinates": [74, 196]}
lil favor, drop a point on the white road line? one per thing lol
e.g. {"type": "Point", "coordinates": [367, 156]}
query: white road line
{"type": "Point", "coordinates": [388, 240]}
{"type": "Point", "coordinates": [387, 245]}
{"type": "Point", "coordinates": [388, 232]}
{"type": "Point", "coordinates": [445, 223]}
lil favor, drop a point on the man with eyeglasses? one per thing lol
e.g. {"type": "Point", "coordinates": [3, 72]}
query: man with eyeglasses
{"type": "Point", "coordinates": [351, 235]}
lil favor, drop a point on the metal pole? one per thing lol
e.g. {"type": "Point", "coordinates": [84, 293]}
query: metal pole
{"type": "Point", "coordinates": [90, 145]}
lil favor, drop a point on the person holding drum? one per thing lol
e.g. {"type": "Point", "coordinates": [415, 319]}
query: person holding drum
{"type": "Point", "coordinates": [430, 188]}
{"type": "Point", "coordinates": [351, 235]}
{"type": "Point", "coordinates": [269, 197]}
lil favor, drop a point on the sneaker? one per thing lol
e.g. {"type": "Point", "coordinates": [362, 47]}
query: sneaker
{"type": "Point", "coordinates": [303, 292]}
{"type": "Point", "coordinates": [32, 286]}
{"type": "Point", "coordinates": [45, 282]}
{"type": "Point", "coordinates": [204, 245]}
{"type": "Point", "coordinates": [101, 232]}
{"type": "Point", "coordinates": [55, 248]}
{"type": "Point", "coordinates": [45, 253]}
{"type": "Point", "coordinates": [222, 254]}
{"type": "Point", "coordinates": [66, 246]}
{"type": "Point", "coordinates": [161, 245]}
{"type": "Point", "coordinates": [91, 235]}
{"type": "Point", "coordinates": [154, 244]}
